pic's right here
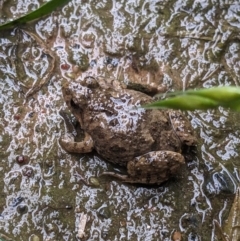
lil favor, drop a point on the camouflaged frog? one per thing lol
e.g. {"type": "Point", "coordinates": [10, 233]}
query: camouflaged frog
{"type": "Point", "coordinates": [147, 142]}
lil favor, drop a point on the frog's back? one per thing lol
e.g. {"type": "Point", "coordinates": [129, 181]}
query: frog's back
{"type": "Point", "coordinates": [121, 130]}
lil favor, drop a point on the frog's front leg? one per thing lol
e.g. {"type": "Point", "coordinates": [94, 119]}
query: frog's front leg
{"type": "Point", "coordinates": [84, 146]}
{"type": "Point", "coordinates": [151, 168]}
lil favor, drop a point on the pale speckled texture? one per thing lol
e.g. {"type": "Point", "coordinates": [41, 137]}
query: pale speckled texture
{"type": "Point", "coordinates": [193, 43]}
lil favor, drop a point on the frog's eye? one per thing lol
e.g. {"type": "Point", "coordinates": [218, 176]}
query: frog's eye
{"type": "Point", "coordinates": [90, 82]}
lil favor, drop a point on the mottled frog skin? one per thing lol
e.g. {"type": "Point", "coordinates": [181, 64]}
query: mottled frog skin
{"type": "Point", "coordinates": [147, 142]}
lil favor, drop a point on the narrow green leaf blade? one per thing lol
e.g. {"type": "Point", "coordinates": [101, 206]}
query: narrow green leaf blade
{"type": "Point", "coordinates": [233, 105]}
{"type": "Point", "coordinates": [40, 12]}
{"type": "Point", "coordinates": [184, 102]}
{"type": "Point", "coordinates": [220, 94]}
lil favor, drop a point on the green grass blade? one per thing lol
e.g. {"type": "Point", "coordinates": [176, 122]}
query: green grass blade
{"type": "Point", "coordinates": [40, 12]}
{"type": "Point", "coordinates": [201, 99]}
{"type": "Point", "coordinates": [221, 94]}
{"type": "Point", "coordinates": [184, 102]}
{"type": "Point", "coordinates": [233, 105]}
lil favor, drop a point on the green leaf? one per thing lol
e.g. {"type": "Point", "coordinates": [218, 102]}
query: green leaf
{"type": "Point", "coordinates": [40, 12]}
{"type": "Point", "coordinates": [221, 94]}
{"type": "Point", "coordinates": [184, 102]}
{"type": "Point", "coordinates": [201, 99]}
{"type": "Point", "coordinates": [233, 105]}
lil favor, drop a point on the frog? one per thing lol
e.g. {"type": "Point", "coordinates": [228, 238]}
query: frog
{"type": "Point", "coordinates": [147, 142]}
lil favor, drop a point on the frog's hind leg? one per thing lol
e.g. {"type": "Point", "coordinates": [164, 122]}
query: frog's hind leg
{"type": "Point", "coordinates": [182, 127]}
{"type": "Point", "coordinates": [84, 146]}
{"type": "Point", "coordinates": [152, 168]}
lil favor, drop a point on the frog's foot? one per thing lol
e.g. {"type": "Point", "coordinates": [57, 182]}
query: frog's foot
{"type": "Point", "coordinates": [182, 127]}
{"type": "Point", "coordinates": [151, 168]}
{"type": "Point", "coordinates": [124, 178]}
{"type": "Point", "coordinates": [69, 145]}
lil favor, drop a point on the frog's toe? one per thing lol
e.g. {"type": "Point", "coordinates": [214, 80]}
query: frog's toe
{"type": "Point", "coordinates": [113, 174]}
{"type": "Point", "coordinates": [69, 145]}
{"type": "Point", "coordinates": [124, 178]}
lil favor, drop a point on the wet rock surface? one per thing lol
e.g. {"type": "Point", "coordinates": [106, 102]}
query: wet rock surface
{"type": "Point", "coordinates": [188, 45]}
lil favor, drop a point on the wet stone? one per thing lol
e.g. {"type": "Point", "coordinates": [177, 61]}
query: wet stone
{"type": "Point", "coordinates": [34, 238]}
{"type": "Point", "coordinates": [94, 182]}
{"type": "Point", "coordinates": [22, 208]}
{"type": "Point", "coordinates": [104, 212]}
{"type": "Point", "coordinates": [21, 159]}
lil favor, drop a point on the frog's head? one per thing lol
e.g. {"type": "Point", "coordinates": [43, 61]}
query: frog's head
{"type": "Point", "coordinates": [77, 95]}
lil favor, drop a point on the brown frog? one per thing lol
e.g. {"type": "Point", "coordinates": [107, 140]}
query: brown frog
{"type": "Point", "coordinates": [147, 142]}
